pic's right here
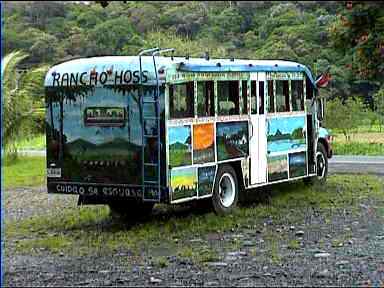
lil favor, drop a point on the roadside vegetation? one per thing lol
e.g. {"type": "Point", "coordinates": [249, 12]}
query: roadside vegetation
{"type": "Point", "coordinates": [24, 172]}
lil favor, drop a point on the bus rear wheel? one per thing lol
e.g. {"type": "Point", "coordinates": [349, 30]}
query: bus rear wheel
{"type": "Point", "coordinates": [130, 209]}
{"type": "Point", "coordinates": [226, 191]}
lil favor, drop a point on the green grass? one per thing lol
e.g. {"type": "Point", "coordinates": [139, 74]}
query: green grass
{"type": "Point", "coordinates": [35, 142]}
{"type": "Point", "coordinates": [353, 148]}
{"type": "Point", "coordinates": [89, 229]}
{"type": "Point", "coordinates": [24, 172]}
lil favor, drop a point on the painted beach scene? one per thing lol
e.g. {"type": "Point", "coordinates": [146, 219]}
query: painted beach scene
{"type": "Point", "coordinates": [206, 177]}
{"type": "Point", "coordinates": [297, 164]}
{"type": "Point", "coordinates": [277, 168]}
{"type": "Point", "coordinates": [286, 134]}
{"type": "Point", "coordinates": [232, 140]}
{"type": "Point", "coordinates": [180, 150]}
{"type": "Point", "coordinates": [183, 183]}
{"type": "Point", "coordinates": [203, 143]}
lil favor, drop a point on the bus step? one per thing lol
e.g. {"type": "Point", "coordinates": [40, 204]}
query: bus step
{"type": "Point", "coordinates": [150, 101]}
{"type": "Point", "coordinates": [150, 136]}
{"type": "Point", "coordinates": [151, 182]}
{"type": "Point", "coordinates": [151, 164]}
{"type": "Point", "coordinates": [151, 118]}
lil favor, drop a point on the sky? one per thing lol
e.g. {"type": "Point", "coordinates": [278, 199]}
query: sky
{"type": "Point", "coordinates": [230, 128]}
{"type": "Point", "coordinates": [178, 134]}
{"type": "Point", "coordinates": [186, 176]}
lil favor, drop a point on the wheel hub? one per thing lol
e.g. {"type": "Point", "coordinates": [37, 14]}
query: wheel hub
{"type": "Point", "coordinates": [227, 190]}
{"type": "Point", "coordinates": [320, 165]}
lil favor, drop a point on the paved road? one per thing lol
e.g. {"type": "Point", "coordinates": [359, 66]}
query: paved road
{"type": "Point", "coordinates": [337, 164]}
{"type": "Point", "coordinates": [357, 164]}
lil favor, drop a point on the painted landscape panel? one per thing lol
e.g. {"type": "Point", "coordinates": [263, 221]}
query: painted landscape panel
{"type": "Point", "coordinates": [179, 140]}
{"type": "Point", "coordinates": [232, 140]}
{"type": "Point", "coordinates": [286, 134]}
{"type": "Point", "coordinates": [183, 183]}
{"type": "Point", "coordinates": [206, 178]}
{"type": "Point", "coordinates": [203, 143]}
{"type": "Point", "coordinates": [297, 164]}
{"type": "Point", "coordinates": [277, 168]}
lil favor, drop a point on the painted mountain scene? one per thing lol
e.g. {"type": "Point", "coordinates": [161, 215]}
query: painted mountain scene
{"type": "Point", "coordinates": [113, 161]}
{"type": "Point", "coordinates": [180, 152]}
{"type": "Point", "coordinates": [286, 133]}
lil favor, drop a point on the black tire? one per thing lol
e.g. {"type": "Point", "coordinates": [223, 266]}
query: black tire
{"type": "Point", "coordinates": [225, 200]}
{"type": "Point", "coordinates": [321, 166]}
{"type": "Point", "coordinates": [130, 209]}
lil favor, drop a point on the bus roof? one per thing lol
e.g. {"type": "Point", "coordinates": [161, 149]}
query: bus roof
{"type": "Point", "coordinates": [123, 63]}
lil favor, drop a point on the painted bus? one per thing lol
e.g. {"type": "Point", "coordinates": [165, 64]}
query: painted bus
{"type": "Point", "coordinates": [133, 131]}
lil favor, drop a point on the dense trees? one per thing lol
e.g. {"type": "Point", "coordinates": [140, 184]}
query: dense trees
{"type": "Point", "coordinates": [347, 37]}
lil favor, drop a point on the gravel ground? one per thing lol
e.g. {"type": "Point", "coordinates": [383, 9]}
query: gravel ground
{"type": "Point", "coordinates": [357, 259]}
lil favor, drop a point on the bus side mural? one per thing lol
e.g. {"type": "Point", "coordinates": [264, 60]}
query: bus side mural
{"type": "Point", "coordinates": [183, 183]}
{"type": "Point", "coordinates": [297, 164]}
{"type": "Point", "coordinates": [203, 143]}
{"type": "Point", "coordinates": [232, 140]}
{"type": "Point", "coordinates": [179, 141]}
{"type": "Point", "coordinates": [277, 168]}
{"type": "Point", "coordinates": [286, 133]}
{"type": "Point", "coordinates": [206, 178]}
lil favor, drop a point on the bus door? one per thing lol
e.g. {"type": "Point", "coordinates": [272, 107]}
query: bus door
{"type": "Point", "coordinates": [258, 136]}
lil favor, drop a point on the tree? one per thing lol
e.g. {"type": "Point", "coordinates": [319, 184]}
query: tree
{"type": "Point", "coordinates": [345, 115]}
{"type": "Point", "coordinates": [359, 31]}
{"type": "Point", "coordinates": [379, 106]}
{"type": "Point", "coordinates": [18, 101]}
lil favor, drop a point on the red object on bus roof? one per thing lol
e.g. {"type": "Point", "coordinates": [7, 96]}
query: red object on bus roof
{"type": "Point", "coordinates": [323, 80]}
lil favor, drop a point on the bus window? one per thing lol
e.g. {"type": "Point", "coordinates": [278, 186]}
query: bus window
{"type": "Point", "coordinates": [205, 99]}
{"type": "Point", "coordinates": [261, 97]}
{"type": "Point", "coordinates": [181, 100]}
{"type": "Point", "coordinates": [282, 96]}
{"type": "Point", "coordinates": [228, 96]}
{"type": "Point", "coordinates": [271, 102]}
{"type": "Point", "coordinates": [253, 97]}
{"type": "Point", "coordinates": [297, 95]}
{"type": "Point", "coordinates": [244, 94]}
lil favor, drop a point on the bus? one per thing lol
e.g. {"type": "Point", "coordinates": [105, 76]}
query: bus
{"type": "Point", "coordinates": [133, 131]}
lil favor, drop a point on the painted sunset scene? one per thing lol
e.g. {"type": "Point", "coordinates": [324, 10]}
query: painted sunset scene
{"type": "Point", "coordinates": [183, 183]}
{"type": "Point", "coordinates": [180, 152]}
{"type": "Point", "coordinates": [203, 143]}
{"type": "Point", "coordinates": [286, 134]}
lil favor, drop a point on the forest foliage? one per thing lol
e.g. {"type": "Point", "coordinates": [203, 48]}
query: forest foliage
{"type": "Point", "coordinates": [346, 37]}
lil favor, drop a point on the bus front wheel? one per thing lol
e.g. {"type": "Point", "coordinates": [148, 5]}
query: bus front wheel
{"type": "Point", "coordinates": [321, 166]}
{"type": "Point", "coordinates": [226, 192]}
